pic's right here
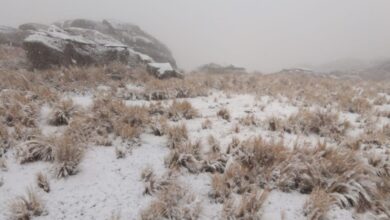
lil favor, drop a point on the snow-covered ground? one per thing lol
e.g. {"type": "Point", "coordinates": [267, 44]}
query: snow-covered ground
{"type": "Point", "coordinates": [106, 185]}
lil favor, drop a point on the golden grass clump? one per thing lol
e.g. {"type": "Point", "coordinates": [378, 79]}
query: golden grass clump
{"type": "Point", "coordinates": [35, 150]}
{"type": "Point", "coordinates": [3, 164]}
{"type": "Point", "coordinates": [207, 124]}
{"type": "Point", "coordinates": [181, 109]}
{"type": "Point", "coordinates": [320, 122]}
{"type": "Point", "coordinates": [26, 207]}
{"type": "Point", "coordinates": [43, 182]}
{"type": "Point", "coordinates": [177, 134]}
{"type": "Point", "coordinates": [18, 109]}
{"type": "Point", "coordinates": [318, 204]}
{"type": "Point", "coordinates": [5, 140]}
{"type": "Point", "coordinates": [224, 114]}
{"type": "Point", "coordinates": [62, 113]}
{"type": "Point", "coordinates": [68, 155]}
{"type": "Point", "coordinates": [185, 154]}
{"type": "Point", "coordinates": [152, 183]}
{"type": "Point", "coordinates": [249, 207]}
{"type": "Point", "coordinates": [359, 105]}
{"type": "Point", "coordinates": [249, 120]}
{"type": "Point", "coordinates": [173, 202]}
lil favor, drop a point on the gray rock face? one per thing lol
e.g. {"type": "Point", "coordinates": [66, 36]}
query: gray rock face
{"type": "Point", "coordinates": [86, 42]}
{"type": "Point", "coordinates": [214, 68]}
{"type": "Point", "coordinates": [130, 35]}
{"type": "Point", "coordinates": [163, 70]}
{"type": "Point", "coordinates": [33, 27]}
{"type": "Point", "coordinates": [73, 46]}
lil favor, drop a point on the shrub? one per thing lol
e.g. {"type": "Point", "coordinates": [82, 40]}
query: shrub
{"type": "Point", "coordinates": [3, 164]}
{"type": "Point", "coordinates": [248, 120]}
{"type": "Point", "coordinates": [120, 152]}
{"type": "Point", "coordinates": [318, 204]}
{"type": "Point", "coordinates": [180, 110]}
{"type": "Point", "coordinates": [62, 113]}
{"type": "Point", "coordinates": [176, 135]}
{"type": "Point", "coordinates": [249, 207]}
{"type": "Point", "coordinates": [322, 123]}
{"type": "Point", "coordinates": [43, 182]}
{"type": "Point", "coordinates": [173, 202]}
{"type": "Point", "coordinates": [26, 207]}
{"type": "Point", "coordinates": [68, 155]}
{"type": "Point", "coordinates": [224, 114]}
{"type": "Point", "coordinates": [207, 124]}
{"type": "Point", "coordinates": [35, 150]}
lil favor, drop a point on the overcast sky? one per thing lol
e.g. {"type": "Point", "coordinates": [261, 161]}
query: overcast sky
{"type": "Point", "coordinates": [258, 34]}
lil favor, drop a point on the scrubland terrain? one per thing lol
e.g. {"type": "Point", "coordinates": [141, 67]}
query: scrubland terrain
{"type": "Point", "coordinates": [111, 142]}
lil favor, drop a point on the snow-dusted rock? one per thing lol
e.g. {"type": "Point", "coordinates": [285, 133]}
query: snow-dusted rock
{"type": "Point", "coordinates": [75, 46]}
{"type": "Point", "coordinates": [141, 43]}
{"type": "Point", "coordinates": [163, 70]}
{"type": "Point", "coordinates": [33, 27]}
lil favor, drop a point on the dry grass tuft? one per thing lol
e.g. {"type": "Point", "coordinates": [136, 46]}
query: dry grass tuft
{"type": "Point", "coordinates": [249, 207]}
{"type": "Point", "coordinates": [35, 150]}
{"type": "Point", "coordinates": [177, 135]}
{"type": "Point", "coordinates": [173, 202]}
{"type": "Point", "coordinates": [183, 109]}
{"type": "Point", "coordinates": [359, 105]}
{"type": "Point", "coordinates": [275, 124]}
{"type": "Point", "coordinates": [18, 109]}
{"type": "Point", "coordinates": [43, 182]}
{"type": "Point", "coordinates": [322, 123]}
{"type": "Point", "coordinates": [68, 155]}
{"type": "Point", "coordinates": [23, 208]}
{"type": "Point", "coordinates": [249, 120]}
{"type": "Point", "coordinates": [120, 152]}
{"type": "Point", "coordinates": [62, 113]}
{"type": "Point", "coordinates": [185, 155]}
{"type": "Point", "coordinates": [152, 183]}
{"type": "Point", "coordinates": [3, 164]}
{"type": "Point", "coordinates": [159, 126]}
{"type": "Point", "coordinates": [5, 140]}
{"type": "Point", "coordinates": [318, 205]}
{"type": "Point", "coordinates": [207, 124]}
{"type": "Point", "coordinates": [224, 114]}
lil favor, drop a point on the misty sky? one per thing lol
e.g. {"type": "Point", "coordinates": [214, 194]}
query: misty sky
{"type": "Point", "coordinates": [258, 34]}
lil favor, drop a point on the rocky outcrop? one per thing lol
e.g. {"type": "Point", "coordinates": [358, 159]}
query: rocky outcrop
{"type": "Point", "coordinates": [72, 47]}
{"type": "Point", "coordinates": [86, 42]}
{"type": "Point", "coordinates": [33, 27]}
{"type": "Point", "coordinates": [213, 68]}
{"type": "Point", "coordinates": [163, 70]}
{"type": "Point", "coordinates": [131, 35]}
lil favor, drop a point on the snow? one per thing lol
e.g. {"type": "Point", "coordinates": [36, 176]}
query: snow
{"type": "Point", "coordinates": [161, 67]}
{"type": "Point", "coordinates": [105, 184]}
{"type": "Point", "coordinates": [142, 56]}
{"type": "Point", "coordinates": [46, 40]}
{"type": "Point", "coordinates": [289, 205]}
{"type": "Point", "coordinates": [84, 101]}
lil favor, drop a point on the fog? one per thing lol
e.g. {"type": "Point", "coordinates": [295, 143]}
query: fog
{"type": "Point", "coordinates": [257, 34]}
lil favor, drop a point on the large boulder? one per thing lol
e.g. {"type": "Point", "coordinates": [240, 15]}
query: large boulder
{"type": "Point", "coordinates": [163, 70]}
{"type": "Point", "coordinates": [33, 27]}
{"type": "Point", "coordinates": [74, 46]}
{"type": "Point", "coordinates": [213, 68]}
{"type": "Point", "coordinates": [129, 34]}
{"type": "Point", "coordinates": [86, 42]}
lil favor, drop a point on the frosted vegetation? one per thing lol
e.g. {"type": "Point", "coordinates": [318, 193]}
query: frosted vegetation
{"type": "Point", "coordinates": [76, 143]}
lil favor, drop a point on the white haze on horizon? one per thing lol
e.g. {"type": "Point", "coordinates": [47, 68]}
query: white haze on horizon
{"type": "Point", "coordinates": [266, 35]}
